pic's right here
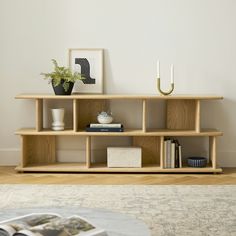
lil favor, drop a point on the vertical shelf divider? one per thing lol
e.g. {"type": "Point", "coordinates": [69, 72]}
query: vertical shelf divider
{"type": "Point", "coordinates": [198, 117]}
{"type": "Point", "coordinates": [23, 151]}
{"type": "Point", "coordinates": [162, 152]}
{"type": "Point", "coordinates": [144, 118]}
{"type": "Point", "coordinates": [212, 151]}
{"type": "Point", "coordinates": [88, 151]}
{"type": "Point", "coordinates": [39, 114]}
{"type": "Point", "coordinates": [75, 115]}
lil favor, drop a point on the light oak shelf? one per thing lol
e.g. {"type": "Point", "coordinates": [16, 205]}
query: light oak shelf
{"type": "Point", "coordinates": [182, 114]}
{"type": "Point", "coordinates": [127, 132]}
{"type": "Point", "coordinates": [102, 167]}
{"type": "Point", "coordinates": [118, 96]}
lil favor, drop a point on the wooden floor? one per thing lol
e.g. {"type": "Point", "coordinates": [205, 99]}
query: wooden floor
{"type": "Point", "coordinates": [9, 176]}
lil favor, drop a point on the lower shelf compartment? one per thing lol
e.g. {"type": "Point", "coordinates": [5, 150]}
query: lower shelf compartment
{"type": "Point", "coordinates": [81, 167]}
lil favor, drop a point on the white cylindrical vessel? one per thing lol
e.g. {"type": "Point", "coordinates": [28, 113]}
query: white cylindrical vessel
{"type": "Point", "coordinates": [58, 119]}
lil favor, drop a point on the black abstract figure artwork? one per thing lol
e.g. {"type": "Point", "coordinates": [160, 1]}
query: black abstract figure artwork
{"type": "Point", "coordinates": [85, 70]}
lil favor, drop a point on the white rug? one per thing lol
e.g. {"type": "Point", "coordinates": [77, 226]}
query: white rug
{"type": "Point", "coordinates": [167, 210]}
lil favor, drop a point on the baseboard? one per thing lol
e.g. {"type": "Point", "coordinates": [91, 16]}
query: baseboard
{"type": "Point", "coordinates": [226, 159]}
{"type": "Point", "coordinates": [11, 157]}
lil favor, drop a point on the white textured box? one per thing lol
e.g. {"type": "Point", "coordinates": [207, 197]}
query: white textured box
{"type": "Point", "coordinates": [124, 157]}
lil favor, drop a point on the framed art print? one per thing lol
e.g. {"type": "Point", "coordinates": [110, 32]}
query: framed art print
{"type": "Point", "coordinates": [88, 62]}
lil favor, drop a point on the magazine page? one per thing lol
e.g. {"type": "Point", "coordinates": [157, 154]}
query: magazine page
{"type": "Point", "coordinates": [6, 230]}
{"type": "Point", "coordinates": [72, 226]}
{"type": "Point", "coordinates": [15, 225]}
{"type": "Point", "coordinates": [25, 232]}
{"type": "Point", "coordinates": [39, 224]}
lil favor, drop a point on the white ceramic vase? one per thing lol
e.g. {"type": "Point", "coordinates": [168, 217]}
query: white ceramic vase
{"type": "Point", "coordinates": [58, 119]}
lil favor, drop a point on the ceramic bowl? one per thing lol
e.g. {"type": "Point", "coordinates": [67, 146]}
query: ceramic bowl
{"type": "Point", "coordinates": [197, 161]}
{"type": "Point", "coordinates": [105, 119]}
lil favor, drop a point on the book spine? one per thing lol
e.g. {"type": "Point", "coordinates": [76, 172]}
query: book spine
{"type": "Point", "coordinates": [164, 154]}
{"type": "Point", "coordinates": [172, 156]}
{"type": "Point", "coordinates": [176, 154]}
{"type": "Point", "coordinates": [180, 156]}
{"type": "Point", "coordinates": [88, 129]}
{"type": "Point", "coordinates": [168, 154]}
{"type": "Point", "coordinates": [93, 125]}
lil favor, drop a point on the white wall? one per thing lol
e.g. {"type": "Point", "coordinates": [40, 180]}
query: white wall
{"type": "Point", "coordinates": [198, 36]}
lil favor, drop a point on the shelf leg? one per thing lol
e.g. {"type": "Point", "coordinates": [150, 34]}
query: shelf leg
{"type": "Point", "coordinates": [212, 151]}
{"type": "Point", "coordinates": [39, 114]}
{"type": "Point", "coordinates": [144, 115]}
{"type": "Point", "coordinates": [75, 113]}
{"type": "Point", "coordinates": [197, 117]}
{"type": "Point", "coordinates": [161, 152]}
{"type": "Point", "coordinates": [23, 151]}
{"type": "Point", "coordinates": [88, 151]}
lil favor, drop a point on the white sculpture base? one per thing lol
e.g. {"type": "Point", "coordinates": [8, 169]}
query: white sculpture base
{"type": "Point", "coordinates": [58, 128]}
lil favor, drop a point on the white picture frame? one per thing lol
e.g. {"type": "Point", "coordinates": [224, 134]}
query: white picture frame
{"type": "Point", "coordinates": [88, 62]}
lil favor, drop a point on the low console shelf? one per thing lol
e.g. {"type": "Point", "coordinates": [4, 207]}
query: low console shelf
{"type": "Point", "coordinates": [182, 116]}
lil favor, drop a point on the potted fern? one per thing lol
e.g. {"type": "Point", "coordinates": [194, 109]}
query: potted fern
{"type": "Point", "coordinates": [62, 79]}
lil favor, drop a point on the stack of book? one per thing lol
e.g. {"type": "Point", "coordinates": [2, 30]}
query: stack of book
{"type": "Point", "coordinates": [96, 127]}
{"type": "Point", "coordinates": [172, 154]}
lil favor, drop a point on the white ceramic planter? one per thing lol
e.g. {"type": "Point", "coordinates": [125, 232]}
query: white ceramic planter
{"type": "Point", "coordinates": [58, 119]}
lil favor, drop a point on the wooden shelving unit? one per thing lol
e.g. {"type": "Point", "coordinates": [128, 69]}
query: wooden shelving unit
{"type": "Point", "coordinates": [182, 119]}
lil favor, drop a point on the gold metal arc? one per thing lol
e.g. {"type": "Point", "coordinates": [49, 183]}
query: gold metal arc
{"type": "Point", "coordinates": [163, 92]}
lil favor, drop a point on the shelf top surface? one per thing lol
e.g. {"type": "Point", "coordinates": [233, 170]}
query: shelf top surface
{"type": "Point", "coordinates": [118, 96]}
{"type": "Point", "coordinates": [127, 132]}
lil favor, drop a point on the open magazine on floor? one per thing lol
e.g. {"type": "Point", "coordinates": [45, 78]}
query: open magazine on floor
{"type": "Point", "coordinates": [49, 224]}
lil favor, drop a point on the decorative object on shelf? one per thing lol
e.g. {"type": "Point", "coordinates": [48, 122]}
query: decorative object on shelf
{"type": "Point", "coordinates": [172, 154]}
{"type": "Point", "coordinates": [62, 79]}
{"type": "Point", "coordinates": [58, 119]}
{"type": "Point", "coordinates": [131, 157]}
{"type": "Point", "coordinates": [98, 125]}
{"type": "Point", "coordinates": [197, 161]}
{"type": "Point", "coordinates": [105, 117]}
{"type": "Point", "coordinates": [104, 129]}
{"type": "Point", "coordinates": [88, 62]}
{"type": "Point", "coordinates": [159, 80]}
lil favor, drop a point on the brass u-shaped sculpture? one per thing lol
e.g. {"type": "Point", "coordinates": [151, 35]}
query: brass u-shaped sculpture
{"type": "Point", "coordinates": [162, 92]}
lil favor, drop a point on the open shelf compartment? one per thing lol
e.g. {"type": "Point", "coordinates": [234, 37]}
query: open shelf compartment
{"type": "Point", "coordinates": [172, 115]}
{"type": "Point", "coordinates": [40, 152]}
{"type": "Point", "coordinates": [151, 151]}
{"type": "Point", "coordinates": [209, 153]}
{"type": "Point", "coordinates": [43, 117]}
